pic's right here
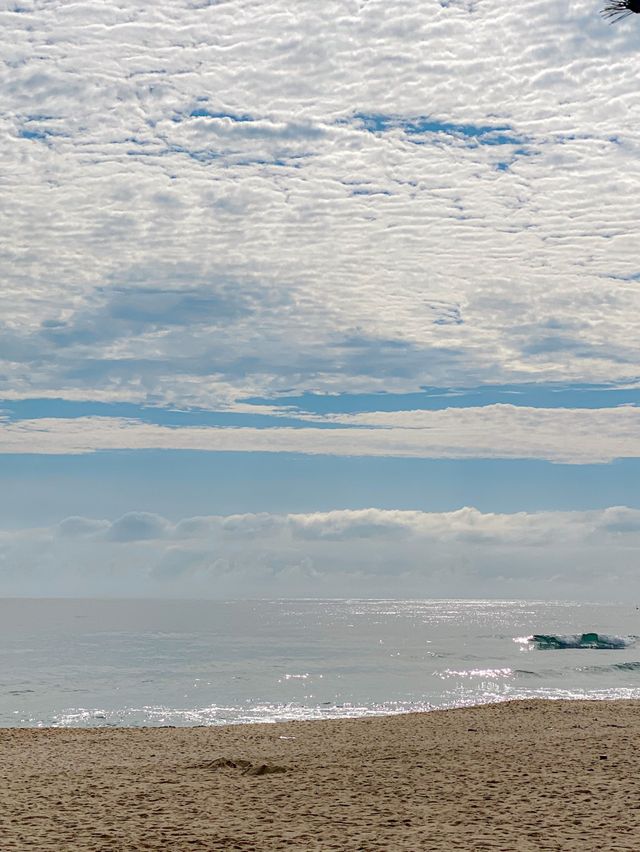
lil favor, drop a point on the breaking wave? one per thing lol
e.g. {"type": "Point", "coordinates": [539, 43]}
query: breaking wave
{"type": "Point", "coordinates": [599, 641]}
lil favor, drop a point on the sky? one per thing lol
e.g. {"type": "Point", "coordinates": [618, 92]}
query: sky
{"type": "Point", "coordinates": [319, 299]}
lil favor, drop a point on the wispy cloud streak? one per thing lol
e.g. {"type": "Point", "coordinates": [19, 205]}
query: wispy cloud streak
{"type": "Point", "coordinates": [576, 436]}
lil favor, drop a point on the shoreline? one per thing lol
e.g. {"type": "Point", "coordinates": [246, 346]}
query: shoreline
{"type": "Point", "coordinates": [217, 726]}
{"type": "Point", "coordinates": [515, 775]}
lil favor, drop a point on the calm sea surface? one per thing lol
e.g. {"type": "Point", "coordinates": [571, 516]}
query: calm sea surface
{"type": "Point", "coordinates": [104, 662]}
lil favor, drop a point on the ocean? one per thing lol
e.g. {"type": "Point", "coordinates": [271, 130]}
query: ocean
{"type": "Point", "coordinates": [88, 663]}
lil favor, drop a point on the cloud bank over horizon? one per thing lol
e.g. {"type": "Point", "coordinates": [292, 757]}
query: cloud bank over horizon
{"type": "Point", "coordinates": [466, 553]}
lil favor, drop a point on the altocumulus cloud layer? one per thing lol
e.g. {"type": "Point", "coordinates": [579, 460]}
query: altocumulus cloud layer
{"type": "Point", "coordinates": [547, 554]}
{"type": "Point", "coordinates": [204, 200]}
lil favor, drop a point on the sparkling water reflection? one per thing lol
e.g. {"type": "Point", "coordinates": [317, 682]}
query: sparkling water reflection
{"type": "Point", "coordinates": [93, 663]}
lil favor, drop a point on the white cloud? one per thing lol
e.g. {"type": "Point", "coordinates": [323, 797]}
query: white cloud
{"type": "Point", "coordinates": [574, 436]}
{"type": "Point", "coordinates": [137, 526]}
{"type": "Point", "coordinates": [586, 555]}
{"type": "Point", "coordinates": [223, 148]}
{"type": "Point", "coordinates": [78, 527]}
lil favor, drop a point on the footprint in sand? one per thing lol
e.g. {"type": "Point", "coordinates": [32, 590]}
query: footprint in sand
{"type": "Point", "coordinates": [246, 766]}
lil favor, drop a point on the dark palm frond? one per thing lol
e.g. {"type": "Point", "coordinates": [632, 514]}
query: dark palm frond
{"type": "Point", "coordinates": [617, 10]}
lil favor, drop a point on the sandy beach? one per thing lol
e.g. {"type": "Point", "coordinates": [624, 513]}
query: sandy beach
{"type": "Point", "coordinates": [532, 775]}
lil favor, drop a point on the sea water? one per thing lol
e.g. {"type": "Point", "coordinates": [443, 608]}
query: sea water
{"type": "Point", "coordinates": [86, 663]}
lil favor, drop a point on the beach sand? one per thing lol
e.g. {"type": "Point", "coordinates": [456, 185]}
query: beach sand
{"type": "Point", "coordinates": [529, 775]}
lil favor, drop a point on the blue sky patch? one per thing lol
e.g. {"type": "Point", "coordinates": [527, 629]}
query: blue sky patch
{"type": "Point", "coordinates": [482, 134]}
{"type": "Point", "coordinates": [38, 489]}
{"type": "Point", "coordinates": [436, 399]}
{"type": "Point", "coordinates": [430, 399]}
{"type": "Point", "coordinates": [36, 409]}
{"type": "Point", "coordinates": [37, 134]}
{"type": "Point", "coordinates": [203, 112]}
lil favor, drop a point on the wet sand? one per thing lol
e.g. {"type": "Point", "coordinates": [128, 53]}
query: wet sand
{"type": "Point", "coordinates": [532, 775]}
